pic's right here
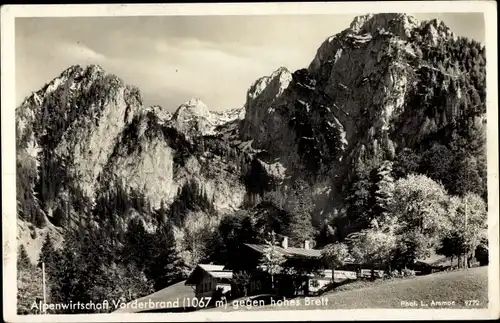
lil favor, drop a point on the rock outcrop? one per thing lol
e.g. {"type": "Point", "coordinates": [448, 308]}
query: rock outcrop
{"type": "Point", "coordinates": [193, 118]}
{"type": "Point", "coordinates": [78, 116]}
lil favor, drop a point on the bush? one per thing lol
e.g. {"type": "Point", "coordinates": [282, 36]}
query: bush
{"type": "Point", "coordinates": [59, 217]}
{"type": "Point", "coordinates": [395, 274]}
{"type": "Point", "coordinates": [33, 233]}
{"type": "Point", "coordinates": [481, 254]}
{"type": "Point", "coordinates": [29, 284]}
{"type": "Point", "coordinates": [408, 272]}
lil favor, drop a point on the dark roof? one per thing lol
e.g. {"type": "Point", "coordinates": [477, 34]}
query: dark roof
{"type": "Point", "coordinates": [290, 251]}
{"type": "Point", "coordinates": [216, 271]}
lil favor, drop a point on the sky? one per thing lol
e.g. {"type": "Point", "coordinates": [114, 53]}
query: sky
{"type": "Point", "coordinates": [173, 59]}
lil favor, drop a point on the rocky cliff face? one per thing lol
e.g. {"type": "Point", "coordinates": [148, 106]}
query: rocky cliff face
{"type": "Point", "coordinates": [158, 159]}
{"type": "Point", "coordinates": [78, 116]}
{"type": "Point", "coordinates": [356, 104]}
{"type": "Point", "coordinates": [386, 83]}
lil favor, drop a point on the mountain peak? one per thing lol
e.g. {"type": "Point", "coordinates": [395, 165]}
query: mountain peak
{"type": "Point", "coordinates": [279, 72]}
{"type": "Point", "coordinates": [194, 107]}
{"type": "Point", "coordinates": [72, 69]}
{"type": "Point", "coordinates": [189, 114]}
{"type": "Point", "coordinates": [400, 24]}
{"type": "Point", "coordinates": [279, 79]}
{"type": "Point", "coordinates": [437, 29]}
{"type": "Point", "coordinates": [163, 114]}
{"type": "Point", "coordinates": [194, 102]}
{"type": "Point", "coordinates": [95, 67]}
{"type": "Point", "coordinates": [79, 69]}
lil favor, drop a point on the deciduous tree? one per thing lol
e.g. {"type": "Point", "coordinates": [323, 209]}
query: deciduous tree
{"type": "Point", "coordinates": [420, 204]}
{"type": "Point", "coordinates": [242, 279]}
{"type": "Point", "coordinates": [272, 259]}
{"type": "Point", "coordinates": [467, 227]}
{"type": "Point", "coordinates": [375, 245]}
{"type": "Point", "coordinates": [335, 255]}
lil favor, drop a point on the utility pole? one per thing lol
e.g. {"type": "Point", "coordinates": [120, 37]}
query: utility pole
{"type": "Point", "coordinates": [466, 260]}
{"type": "Point", "coordinates": [466, 215]}
{"type": "Point", "coordinates": [44, 294]}
{"type": "Point", "coordinates": [67, 217]}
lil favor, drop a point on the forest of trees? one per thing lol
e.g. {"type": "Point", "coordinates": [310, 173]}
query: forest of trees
{"type": "Point", "coordinates": [92, 266]}
{"type": "Point", "coordinates": [420, 218]}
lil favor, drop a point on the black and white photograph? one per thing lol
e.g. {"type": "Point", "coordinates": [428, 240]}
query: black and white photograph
{"type": "Point", "coordinates": [275, 161]}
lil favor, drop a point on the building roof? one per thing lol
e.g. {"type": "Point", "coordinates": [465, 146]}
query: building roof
{"type": "Point", "coordinates": [211, 267]}
{"type": "Point", "coordinates": [216, 271]}
{"type": "Point", "coordinates": [227, 274]}
{"type": "Point", "coordinates": [290, 251]}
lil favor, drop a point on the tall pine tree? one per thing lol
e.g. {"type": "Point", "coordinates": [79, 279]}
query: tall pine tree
{"type": "Point", "coordinates": [51, 259]}
{"type": "Point", "coordinates": [300, 207]}
{"type": "Point", "coordinates": [382, 191]}
{"type": "Point", "coordinates": [166, 266]}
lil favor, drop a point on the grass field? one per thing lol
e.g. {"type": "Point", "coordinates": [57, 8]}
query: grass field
{"type": "Point", "coordinates": [452, 288]}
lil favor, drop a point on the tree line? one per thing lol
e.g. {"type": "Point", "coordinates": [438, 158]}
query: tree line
{"type": "Point", "coordinates": [419, 218]}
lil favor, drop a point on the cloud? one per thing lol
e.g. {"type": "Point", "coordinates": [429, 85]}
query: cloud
{"type": "Point", "coordinates": [79, 51]}
{"type": "Point", "coordinates": [217, 72]}
{"type": "Point", "coordinates": [276, 55]}
{"type": "Point", "coordinates": [177, 70]}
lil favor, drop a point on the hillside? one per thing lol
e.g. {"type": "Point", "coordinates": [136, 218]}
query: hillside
{"type": "Point", "coordinates": [169, 294]}
{"type": "Point", "coordinates": [447, 290]}
{"type": "Point", "coordinates": [388, 106]}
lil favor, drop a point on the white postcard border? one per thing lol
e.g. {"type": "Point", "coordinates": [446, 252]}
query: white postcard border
{"type": "Point", "coordinates": [9, 227]}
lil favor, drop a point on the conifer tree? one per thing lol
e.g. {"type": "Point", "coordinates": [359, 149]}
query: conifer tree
{"type": "Point", "coordinates": [300, 207]}
{"type": "Point", "coordinates": [50, 257]}
{"type": "Point", "coordinates": [66, 288]}
{"type": "Point", "coordinates": [382, 191]}
{"type": "Point", "coordinates": [137, 246]}
{"type": "Point", "coordinates": [166, 265]}
{"type": "Point", "coordinates": [23, 261]}
{"type": "Point", "coordinates": [358, 202]}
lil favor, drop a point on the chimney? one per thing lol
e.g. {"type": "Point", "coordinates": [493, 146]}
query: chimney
{"type": "Point", "coordinates": [284, 243]}
{"type": "Point", "coordinates": [306, 244]}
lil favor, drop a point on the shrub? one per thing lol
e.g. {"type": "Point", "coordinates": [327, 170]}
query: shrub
{"type": "Point", "coordinates": [481, 254]}
{"type": "Point", "coordinates": [408, 272]}
{"type": "Point", "coordinates": [395, 274]}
